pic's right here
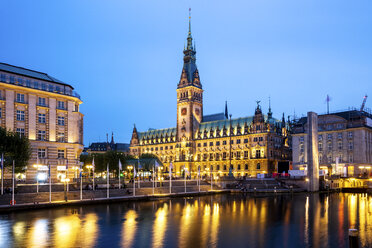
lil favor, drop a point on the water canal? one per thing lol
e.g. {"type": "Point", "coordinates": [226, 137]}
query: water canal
{"type": "Point", "coordinates": [229, 220]}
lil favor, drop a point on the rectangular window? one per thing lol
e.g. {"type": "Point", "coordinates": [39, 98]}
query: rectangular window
{"type": "Point", "coordinates": [350, 158]}
{"type": "Point", "coordinates": [41, 135]}
{"type": "Point", "coordinates": [12, 79]}
{"type": "Point", "coordinates": [210, 143]}
{"type": "Point", "coordinates": [238, 141]}
{"type": "Point", "coordinates": [36, 85]}
{"type": "Point", "coordinates": [42, 101]}
{"type": "Point", "coordinates": [199, 144]}
{"type": "Point", "coordinates": [161, 148]}
{"type": "Point", "coordinates": [224, 142]}
{"type": "Point", "coordinates": [217, 143]}
{"type": "Point", "coordinates": [329, 136]}
{"type": "Point", "coordinates": [339, 135]}
{"type": "Point", "coordinates": [42, 118]}
{"type": "Point", "coordinates": [320, 147]}
{"type": "Point", "coordinates": [245, 154]}
{"type": "Point", "coordinates": [20, 81]}
{"type": "Point", "coordinates": [41, 153]}
{"type": "Point", "coordinates": [61, 137]}
{"type": "Point", "coordinates": [329, 146]}
{"type": "Point", "coordinates": [50, 87]}
{"type": "Point", "coordinates": [260, 138]}
{"type": "Point", "coordinates": [61, 153]}
{"type": "Point", "coordinates": [21, 132]}
{"type": "Point", "coordinates": [205, 144]}
{"type": "Point", "coordinates": [43, 86]}
{"type": "Point", "coordinates": [339, 145]}
{"type": "Point", "coordinates": [351, 146]}
{"type": "Point", "coordinates": [20, 98]}
{"type": "Point", "coordinates": [211, 156]}
{"type": "Point", "coordinates": [350, 135]}
{"type": "Point", "coordinates": [3, 78]}
{"type": "Point", "coordinates": [61, 105]}
{"type": "Point", "coordinates": [231, 142]}
{"type": "Point", "coordinates": [28, 83]}
{"type": "Point", "coordinates": [61, 120]}
{"type": "Point", "coordinates": [320, 137]}
{"type": "Point", "coordinates": [237, 155]}
{"type": "Point", "coordinates": [302, 148]}
{"type": "Point", "coordinates": [20, 115]}
{"type": "Point", "coordinates": [245, 141]}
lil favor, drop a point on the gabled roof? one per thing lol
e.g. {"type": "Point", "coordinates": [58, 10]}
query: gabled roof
{"type": "Point", "coordinates": [30, 73]}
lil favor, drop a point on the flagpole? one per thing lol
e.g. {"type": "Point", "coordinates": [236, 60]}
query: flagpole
{"type": "Point", "coordinates": [93, 173]}
{"type": "Point", "coordinates": [184, 171]}
{"type": "Point", "coordinates": [170, 177]}
{"type": "Point", "coordinates": [153, 170]}
{"type": "Point", "coordinates": [119, 173]}
{"type": "Point", "coordinates": [134, 180]}
{"type": "Point", "coordinates": [139, 183]}
{"type": "Point", "coordinates": [50, 185]}
{"type": "Point", "coordinates": [211, 180]}
{"type": "Point", "coordinates": [199, 177]}
{"type": "Point", "coordinates": [108, 180]}
{"type": "Point", "coordinates": [13, 203]}
{"type": "Point", "coordinates": [2, 173]}
{"type": "Point", "coordinates": [81, 182]}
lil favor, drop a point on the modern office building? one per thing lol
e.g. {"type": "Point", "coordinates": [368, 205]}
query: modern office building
{"type": "Point", "coordinates": [344, 143]}
{"type": "Point", "coordinates": [246, 146]}
{"type": "Point", "coordinates": [46, 111]}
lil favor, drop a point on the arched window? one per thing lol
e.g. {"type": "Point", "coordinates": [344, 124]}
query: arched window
{"type": "Point", "coordinates": [258, 166]}
{"type": "Point", "coordinates": [238, 166]}
{"type": "Point", "coordinates": [218, 167]}
{"type": "Point", "coordinates": [246, 166]}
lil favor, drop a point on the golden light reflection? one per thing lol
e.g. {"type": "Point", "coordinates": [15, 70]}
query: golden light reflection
{"type": "Point", "coordinates": [215, 225]}
{"type": "Point", "coordinates": [306, 221]}
{"type": "Point", "coordinates": [37, 236]}
{"type": "Point", "coordinates": [205, 225]}
{"type": "Point", "coordinates": [90, 230]}
{"type": "Point", "coordinates": [67, 231]}
{"type": "Point", "coordinates": [352, 210]}
{"type": "Point", "coordinates": [185, 225]}
{"type": "Point", "coordinates": [160, 226]}
{"type": "Point", "coordinates": [19, 230]}
{"type": "Point", "coordinates": [129, 228]}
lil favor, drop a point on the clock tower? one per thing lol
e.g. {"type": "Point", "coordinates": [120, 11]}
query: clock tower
{"type": "Point", "coordinates": [189, 95]}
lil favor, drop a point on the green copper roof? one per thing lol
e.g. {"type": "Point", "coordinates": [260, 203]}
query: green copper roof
{"type": "Point", "coordinates": [153, 133]}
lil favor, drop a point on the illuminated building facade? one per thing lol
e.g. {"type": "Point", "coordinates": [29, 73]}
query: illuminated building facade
{"type": "Point", "coordinates": [219, 145]}
{"type": "Point", "coordinates": [46, 111]}
{"type": "Point", "coordinates": [344, 143]}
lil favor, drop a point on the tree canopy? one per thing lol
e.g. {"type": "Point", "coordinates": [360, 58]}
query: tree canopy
{"type": "Point", "coordinates": [15, 147]}
{"type": "Point", "coordinates": [102, 159]}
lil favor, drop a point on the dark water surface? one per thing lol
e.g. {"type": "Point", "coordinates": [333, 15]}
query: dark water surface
{"type": "Point", "coordinates": [301, 220]}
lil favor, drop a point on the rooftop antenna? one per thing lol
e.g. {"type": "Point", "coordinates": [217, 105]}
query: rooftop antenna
{"type": "Point", "coordinates": [328, 99]}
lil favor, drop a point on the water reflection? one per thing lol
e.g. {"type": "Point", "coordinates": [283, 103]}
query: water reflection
{"type": "Point", "coordinates": [314, 220]}
{"type": "Point", "coordinates": [160, 226]}
{"type": "Point", "coordinates": [129, 228]}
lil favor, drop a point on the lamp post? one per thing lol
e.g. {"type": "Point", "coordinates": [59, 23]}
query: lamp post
{"type": "Point", "coordinates": [65, 182]}
{"type": "Point", "coordinates": [37, 165]}
{"type": "Point", "coordinates": [130, 167]}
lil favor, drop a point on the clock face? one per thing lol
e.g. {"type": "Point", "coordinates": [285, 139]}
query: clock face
{"type": "Point", "coordinates": [184, 111]}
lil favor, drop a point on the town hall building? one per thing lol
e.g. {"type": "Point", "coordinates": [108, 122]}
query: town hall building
{"type": "Point", "coordinates": [216, 144]}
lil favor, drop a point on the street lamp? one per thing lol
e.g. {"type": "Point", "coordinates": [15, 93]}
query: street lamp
{"type": "Point", "coordinates": [65, 181]}
{"type": "Point", "coordinates": [89, 167]}
{"type": "Point", "coordinates": [130, 167]}
{"type": "Point", "coordinates": [37, 166]}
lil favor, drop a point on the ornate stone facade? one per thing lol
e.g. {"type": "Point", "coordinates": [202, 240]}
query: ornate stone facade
{"type": "Point", "coordinates": [242, 146]}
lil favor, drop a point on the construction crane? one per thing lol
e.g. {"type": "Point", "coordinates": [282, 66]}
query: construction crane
{"type": "Point", "coordinates": [364, 102]}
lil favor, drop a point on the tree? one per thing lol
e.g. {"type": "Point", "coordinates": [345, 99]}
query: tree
{"type": "Point", "coordinates": [147, 161]}
{"type": "Point", "coordinates": [102, 159]}
{"type": "Point", "coordinates": [15, 147]}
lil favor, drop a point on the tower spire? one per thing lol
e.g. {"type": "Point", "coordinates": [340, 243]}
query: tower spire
{"type": "Point", "coordinates": [269, 114]}
{"type": "Point", "coordinates": [189, 36]}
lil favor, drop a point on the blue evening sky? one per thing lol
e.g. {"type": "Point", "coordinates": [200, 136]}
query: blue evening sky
{"type": "Point", "coordinates": [125, 57]}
